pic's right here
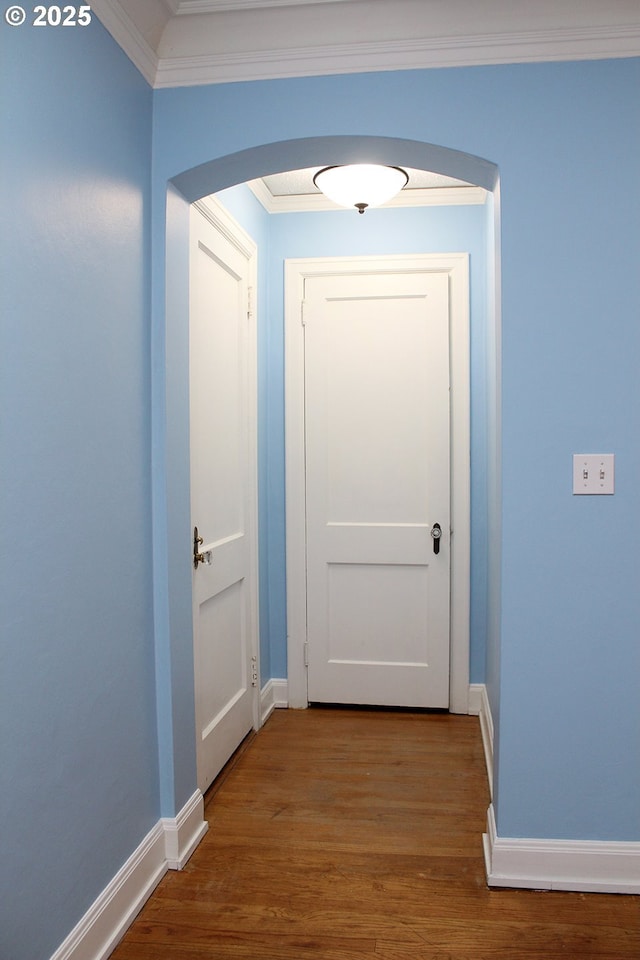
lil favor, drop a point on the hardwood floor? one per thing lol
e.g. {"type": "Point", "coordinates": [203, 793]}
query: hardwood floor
{"type": "Point", "coordinates": [346, 835]}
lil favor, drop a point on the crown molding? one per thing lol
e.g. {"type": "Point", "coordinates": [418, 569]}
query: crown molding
{"type": "Point", "coordinates": [314, 202]}
{"type": "Point", "coordinates": [224, 6]}
{"type": "Point", "coordinates": [587, 44]}
{"type": "Point", "coordinates": [140, 28]}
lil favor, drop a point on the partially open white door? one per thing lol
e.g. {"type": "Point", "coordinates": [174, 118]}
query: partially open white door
{"type": "Point", "coordinates": [223, 488]}
{"type": "Point", "coordinates": [377, 487]}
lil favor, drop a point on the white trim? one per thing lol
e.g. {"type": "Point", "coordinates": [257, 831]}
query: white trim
{"type": "Point", "coordinates": [587, 43]}
{"type": "Point", "coordinates": [183, 833]}
{"type": "Point", "coordinates": [146, 28]}
{"type": "Point", "coordinates": [588, 866]}
{"type": "Point", "coordinates": [479, 706]}
{"type": "Point", "coordinates": [296, 271]}
{"type": "Point", "coordinates": [274, 696]}
{"type": "Point", "coordinates": [168, 845]}
{"type": "Point", "coordinates": [312, 202]}
{"type": "Point", "coordinates": [475, 698]}
{"type": "Point", "coordinates": [222, 6]}
{"type": "Point", "coordinates": [108, 918]}
{"type": "Point", "coordinates": [220, 218]}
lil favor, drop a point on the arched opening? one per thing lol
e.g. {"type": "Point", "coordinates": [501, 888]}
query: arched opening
{"type": "Point", "coordinates": [171, 387]}
{"type": "Point", "coordinates": [269, 158]}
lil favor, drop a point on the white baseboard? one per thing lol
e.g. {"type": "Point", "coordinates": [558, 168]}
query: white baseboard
{"type": "Point", "coordinates": [183, 833]}
{"type": "Point", "coordinates": [273, 696]}
{"type": "Point", "coordinates": [167, 846]}
{"type": "Point", "coordinates": [588, 866]}
{"type": "Point", "coordinates": [479, 707]}
{"type": "Point", "coordinates": [106, 921]}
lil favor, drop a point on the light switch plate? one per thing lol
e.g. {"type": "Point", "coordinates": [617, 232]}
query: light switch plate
{"type": "Point", "coordinates": [593, 473]}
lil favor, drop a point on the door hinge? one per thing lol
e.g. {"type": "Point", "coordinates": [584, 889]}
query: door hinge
{"type": "Point", "coordinates": [254, 671]}
{"type": "Point", "coordinates": [303, 313]}
{"type": "Point", "coordinates": [306, 653]}
{"type": "Point", "coordinates": [249, 303]}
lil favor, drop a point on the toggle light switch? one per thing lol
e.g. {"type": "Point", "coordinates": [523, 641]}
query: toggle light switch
{"type": "Point", "coordinates": [593, 473]}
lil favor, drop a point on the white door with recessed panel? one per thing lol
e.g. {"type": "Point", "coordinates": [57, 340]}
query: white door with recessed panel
{"type": "Point", "coordinates": [223, 486]}
{"type": "Point", "coordinates": [377, 486]}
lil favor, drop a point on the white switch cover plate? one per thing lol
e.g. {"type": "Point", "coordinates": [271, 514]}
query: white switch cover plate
{"type": "Point", "coordinates": [593, 473]}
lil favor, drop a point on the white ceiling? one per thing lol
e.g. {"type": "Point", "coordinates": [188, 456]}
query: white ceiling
{"type": "Point", "coordinates": [296, 191]}
{"type": "Point", "coordinates": [296, 182]}
{"type": "Point", "coordinates": [191, 42]}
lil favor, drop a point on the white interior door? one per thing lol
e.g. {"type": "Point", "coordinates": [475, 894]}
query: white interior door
{"type": "Point", "coordinates": [377, 480]}
{"type": "Point", "coordinates": [222, 398]}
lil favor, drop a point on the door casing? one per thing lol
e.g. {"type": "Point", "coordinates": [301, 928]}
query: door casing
{"type": "Point", "coordinates": [456, 266]}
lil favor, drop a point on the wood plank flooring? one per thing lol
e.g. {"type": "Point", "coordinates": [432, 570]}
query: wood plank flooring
{"type": "Point", "coordinates": [349, 835]}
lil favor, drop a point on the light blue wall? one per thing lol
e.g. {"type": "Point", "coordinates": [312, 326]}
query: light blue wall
{"type": "Point", "coordinates": [563, 637]}
{"type": "Point", "coordinates": [570, 657]}
{"type": "Point", "coordinates": [78, 748]}
{"type": "Point", "coordinates": [436, 229]}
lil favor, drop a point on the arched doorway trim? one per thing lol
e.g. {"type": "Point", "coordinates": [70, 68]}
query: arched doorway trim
{"type": "Point", "coordinates": [284, 155]}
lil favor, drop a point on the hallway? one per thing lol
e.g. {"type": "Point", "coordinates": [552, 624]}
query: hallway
{"type": "Point", "coordinates": [345, 834]}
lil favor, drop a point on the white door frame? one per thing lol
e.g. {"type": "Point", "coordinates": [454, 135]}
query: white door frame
{"type": "Point", "coordinates": [220, 218]}
{"type": "Point", "coordinates": [456, 265]}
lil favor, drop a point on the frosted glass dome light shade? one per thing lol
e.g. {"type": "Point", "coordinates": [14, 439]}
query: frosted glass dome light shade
{"type": "Point", "coordinates": [361, 185]}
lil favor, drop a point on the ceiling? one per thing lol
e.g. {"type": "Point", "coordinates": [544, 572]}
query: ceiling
{"type": "Point", "coordinates": [296, 191]}
{"type": "Point", "coordinates": [191, 42]}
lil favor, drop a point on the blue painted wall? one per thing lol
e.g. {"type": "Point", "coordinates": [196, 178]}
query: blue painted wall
{"type": "Point", "coordinates": [78, 746]}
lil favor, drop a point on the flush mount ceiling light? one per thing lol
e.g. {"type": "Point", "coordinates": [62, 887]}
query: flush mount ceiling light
{"type": "Point", "coordinates": [361, 185]}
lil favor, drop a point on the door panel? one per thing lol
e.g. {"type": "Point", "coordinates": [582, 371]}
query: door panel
{"type": "Point", "coordinates": [377, 479]}
{"type": "Point", "coordinates": [221, 485]}
{"type": "Point", "coordinates": [379, 597]}
{"type": "Point", "coordinates": [221, 614]}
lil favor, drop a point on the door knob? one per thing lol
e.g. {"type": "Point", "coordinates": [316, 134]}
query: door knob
{"type": "Point", "coordinates": [197, 556]}
{"type": "Point", "coordinates": [436, 533]}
